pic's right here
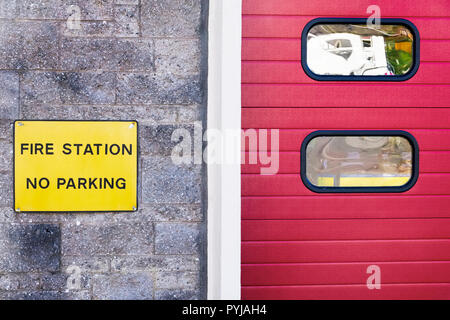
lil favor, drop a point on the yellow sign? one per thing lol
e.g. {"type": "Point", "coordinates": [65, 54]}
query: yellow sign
{"type": "Point", "coordinates": [69, 166]}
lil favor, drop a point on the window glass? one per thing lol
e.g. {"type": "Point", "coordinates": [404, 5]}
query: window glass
{"type": "Point", "coordinates": [359, 161]}
{"type": "Point", "coordinates": [360, 50]}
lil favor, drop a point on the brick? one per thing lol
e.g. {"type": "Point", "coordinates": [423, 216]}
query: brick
{"type": "Point", "coordinates": [190, 114]}
{"type": "Point", "coordinates": [171, 18]}
{"type": "Point", "coordinates": [6, 156]}
{"type": "Point", "coordinates": [50, 295]}
{"type": "Point", "coordinates": [9, 93]}
{"type": "Point", "coordinates": [177, 280]}
{"type": "Point", "coordinates": [177, 56]}
{"type": "Point", "coordinates": [33, 247]}
{"type": "Point", "coordinates": [85, 54]}
{"type": "Point", "coordinates": [165, 182]}
{"type": "Point", "coordinates": [129, 286]}
{"type": "Point", "coordinates": [8, 9]}
{"type": "Point", "coordinates": [19, 281]}
{"type": "Point", "coordinates": [8, 282]}
{"type": "Point", "coordinates": [136, 2]}
{"type": "Point", "coordinates": [134, 88]}
{"type": "Point", "coordinates": [40, 87]}
{"type": "Point", "coordinates": [28, 281]}
{"type": "Point", "coordinates": [6, 128]}
{"type": "Point", "coordinates": [173, 213]}
{"type": "Point", "coordinates": [68, 87]}
{"type": "Point", "coordinates": [157, 140]}
{"type": "Point", "coordinates": [177, 238]}
{"type": "Point", "coordinates": [7, 214]}
{"type": "Point", "coordinates": [58, 282]}
{"type": "Point", "coordinates": [134, 54]}
{"type": "Point", "coordinates": [147, 114]}
{"type": "Point", "coordinates": [28, 45]}
{"type": "Point", "coordinates": [107, 54]}
{"type": "Point", "coordinates": [107, 239]}
{"type": "Point", "coordinates": [59, 9]}
{"type": "Point", "coordinates": [86, 264]}
{"type": "Point", "coordinates": [127, 21]}
{"type": "Point", "coordinates": [61, 217]}
{"type": "Point", "coordinates": [156, 263]}
{"type": "Point", "coordinates": [6, 186]}
{"type": "Point", "coordinates": [89, 29]}
{"type": "Point", "coordinates": [178, 294]}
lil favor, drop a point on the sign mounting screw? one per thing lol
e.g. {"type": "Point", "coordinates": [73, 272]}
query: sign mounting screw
{"type": "Point", "coordinates": [20, 124]}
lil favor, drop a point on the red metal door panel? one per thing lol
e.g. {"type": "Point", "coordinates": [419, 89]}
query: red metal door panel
{"type": "Point", "coordinates": [431, 162]}
{"type": "Point", "coordinates": [286, 72]}
{"type": "Point", "coordinates": [273, 26]}
{"type": "Point", "coordinates": [297, 244]}
{"type": "Point", "coordinates": [290, 139]}
{"type": "Point", "coordinates": [270, 49]}
{"type": "Point", "coordinates": [343, 273]}
{"type": "Point", "coordinates": [340, 207]}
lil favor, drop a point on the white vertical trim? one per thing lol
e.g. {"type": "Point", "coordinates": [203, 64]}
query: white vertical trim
{"type": "Point", "coordinates": [224, 180]}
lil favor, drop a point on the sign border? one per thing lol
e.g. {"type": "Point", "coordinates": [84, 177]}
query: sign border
{"type": "Point", "coordinates": [79, 211]}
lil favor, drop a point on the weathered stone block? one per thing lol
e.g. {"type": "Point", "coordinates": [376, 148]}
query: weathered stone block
{"type": "Point", "coordinates": [58, 282]}
{"type": "Point", "coordinates": [86, 54]}
{"type": "Point", "coordinates": [86, 264]}
{"type": "Point", "coordinates": [60, 9]}
{"type": "Point", "coordinates": [157, 140]}
{"type": "Point", "coordinates": [9, 93]}
{"type": "Point", "coordinates": [173, 213]}
{"type": "Point", "coordinates": [166, 182]}
{"type": "Point", "coordinates": [156, 263]}
{"type": "Point", "coordinates": [28, 281]}
{"type": "Point", "coordinates": [107, 239]}
{"type": "Point", "coordinates": [19, 281]}
{"type": "Point", "coordinates": [68, 87]}
{"type": "Point", "coordinates": [107, 54]}
{"type": "Point", "coordinates": [136, 2]}
{"type": "Point", "coordinates": [127, 21]}
{"type": "Point", "coordinates": [190, 114]}
{"type": "Point", "coordinates": [6, 156]}
{"type": "Point", "coordinates": [35, 247]}
{"type": "Point", "coordinates": [129, 286]}
{"type": "Point", "coordinates": [8, 9]}
{"type": "Point", "coordinates": [171, 18]}
{"type": "Point", "coordinates": [177, 238]}
{"type": "Point", "coordinates": [8, 282]}
{"type": "Point", "coordinates": [177, 56]}
{"type": "Point", "coordinates": [6, 185]}
{"type": "Point", "coordinates": [146, 114]}
{"type": "Point", "coordinates": [28, 45]}
{"type": "Point", "coordinates": [6, 129]}
{"type": "Point", "coordinates": [177, 280]}
{"type": "Point", "coordinates": [178, 294]}
{"type": "Point", "coordinates": [50, 295]}
{"type": "Point", "coordinates": [134, 88]}
{"type": "Point", "coordinates": [89, 29]}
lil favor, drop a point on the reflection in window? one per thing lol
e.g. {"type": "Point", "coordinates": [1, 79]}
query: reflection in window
{"type": "Point", "coordinates": [358, 161]}
{"type": "Point", "coordinates": [353, 49]}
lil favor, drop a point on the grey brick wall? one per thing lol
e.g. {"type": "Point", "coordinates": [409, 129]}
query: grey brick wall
{"type": "Point", "coordinates": [131, 59]}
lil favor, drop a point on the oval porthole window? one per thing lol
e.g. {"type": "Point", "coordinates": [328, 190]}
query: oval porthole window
{"type": "Point", "coordinates": [359, 161]}
{"type": "Point", "coordinates": [350, 49]}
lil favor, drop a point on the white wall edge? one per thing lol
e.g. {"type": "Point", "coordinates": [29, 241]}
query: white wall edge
{"type": "Point", "coordinates": [224, 180]}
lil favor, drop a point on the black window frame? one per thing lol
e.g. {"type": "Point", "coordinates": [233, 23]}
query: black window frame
{"type": "Point", "coordinates": [391, 21]}
{"type": "Point", "coordinates": [391, 189]}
